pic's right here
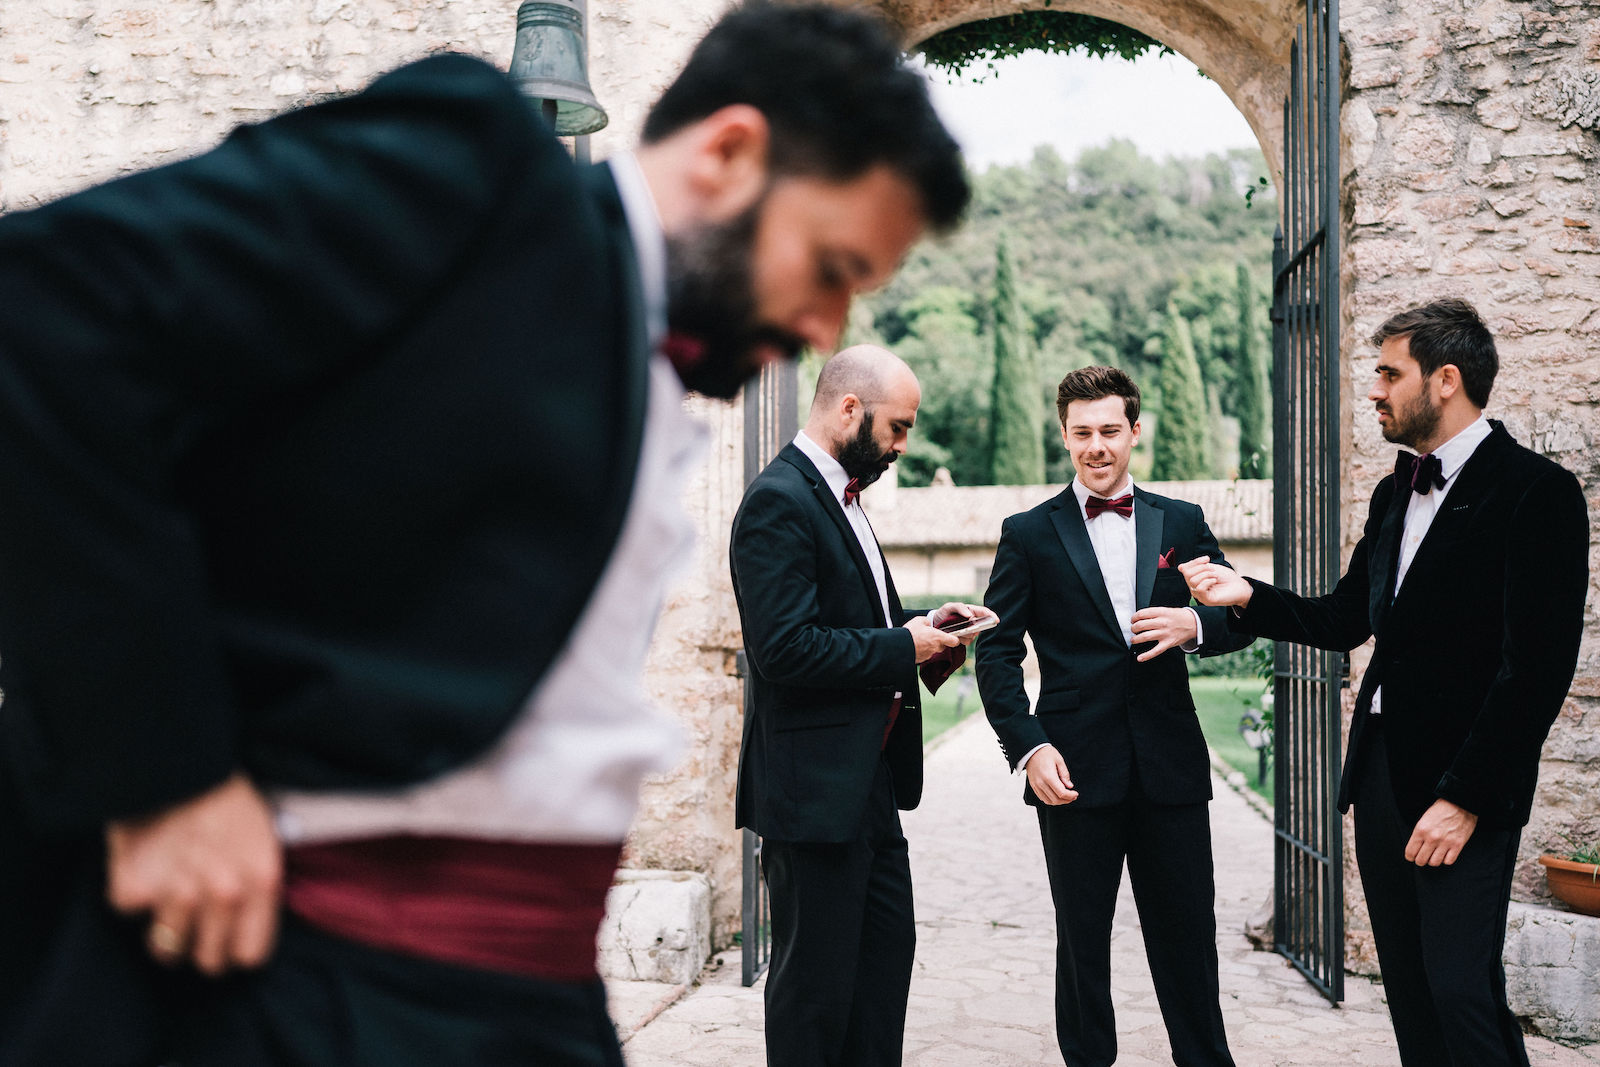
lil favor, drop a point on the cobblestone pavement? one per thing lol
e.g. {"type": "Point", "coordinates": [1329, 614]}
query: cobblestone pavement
{"type": "Point", "coordinates": [981, 993]}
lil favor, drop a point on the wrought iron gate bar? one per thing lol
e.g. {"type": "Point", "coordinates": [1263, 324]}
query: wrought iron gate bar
{"type": "Point", "coordinates": [1308, 834]}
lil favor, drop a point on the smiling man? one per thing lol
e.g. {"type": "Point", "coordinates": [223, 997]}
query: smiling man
{"type": "Point", "coordinates": [1471, 572]}
{"type": "Point", "coordinates": [1113, 755]}
{"type": "Point", "coordinates": [342, 471]}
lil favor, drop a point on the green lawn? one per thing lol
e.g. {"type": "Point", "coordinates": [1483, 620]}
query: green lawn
{"type": "Point", "coordinates": [1220, 702]}
{"type": "Point", "coordinates": [939, 711]}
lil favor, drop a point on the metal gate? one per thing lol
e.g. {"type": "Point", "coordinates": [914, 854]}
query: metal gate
{"type": "Point", "coordinates": [771, 419]}
{"type": "Point", "coordinates": [1308, 892]}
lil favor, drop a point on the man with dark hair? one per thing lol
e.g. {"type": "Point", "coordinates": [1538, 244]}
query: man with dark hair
{"type": "Point", "coordinates": [340, 470]}
{"type": "Point", "coordinates": [832, 746]}
{"type": "Point", "coordinates": [1113, 755]}
{"type": "Point", "coordinates": [1471, 573]}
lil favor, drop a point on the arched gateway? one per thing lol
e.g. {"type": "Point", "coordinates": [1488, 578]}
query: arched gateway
{"type": "Point", "coordinates": [1279, 65]}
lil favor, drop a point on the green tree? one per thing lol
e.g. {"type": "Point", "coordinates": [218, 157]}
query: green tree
{"type": "Point", "coordinates": [1183, 431]}
{"type": "Point", "coordinates": [1016, 446]}
{"type": "Point", "coordinates": [1253, 399]}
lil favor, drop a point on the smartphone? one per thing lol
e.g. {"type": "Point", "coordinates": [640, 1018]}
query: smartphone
{"type": "Point", "coordinates": [959, 626]}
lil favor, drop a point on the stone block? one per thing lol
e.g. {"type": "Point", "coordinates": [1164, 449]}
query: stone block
{"type": "Point", "coordinates": [1572, 240]}
{"type": "Point", "coordinates": [1500, 113]}
{"type": "Point", "coordinates": [657, 927]}
{"type": "Point", "coordinates": [1552, 962]}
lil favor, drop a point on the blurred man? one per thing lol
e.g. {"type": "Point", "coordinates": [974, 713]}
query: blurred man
{"type": "Point", "coordinates": [1113, 754]}
{"type": "Point", "coordinates": [1471, 573]}
{"type": "Point", "coordinates": [833, 742]}
{"type": "Point", "coordinates": [339, 470]}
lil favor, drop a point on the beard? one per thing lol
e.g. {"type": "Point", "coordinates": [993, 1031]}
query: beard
{"type": "Point", "coordinates": [862, 457]}
{"type": "Point", "coordinates": [711, 299]}
{"type": "Point", "coordinates": [1418, 421]}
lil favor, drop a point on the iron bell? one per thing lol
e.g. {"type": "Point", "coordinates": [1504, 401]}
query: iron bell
{"type": "Point", "coordinates": [549, 63]}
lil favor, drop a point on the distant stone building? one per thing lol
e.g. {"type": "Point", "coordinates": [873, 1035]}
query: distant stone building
{"type": "Point", "coordinates": [939, 540]}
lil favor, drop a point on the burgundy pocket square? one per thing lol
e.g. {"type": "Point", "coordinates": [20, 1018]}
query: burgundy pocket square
{"type": "Point", "coordinates": [1165, 559]}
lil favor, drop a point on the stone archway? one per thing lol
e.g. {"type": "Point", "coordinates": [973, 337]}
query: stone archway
{"type": "Point", "coordinates": [1242, 45]}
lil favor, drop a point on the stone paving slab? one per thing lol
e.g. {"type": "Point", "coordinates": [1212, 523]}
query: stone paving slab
{"type": "Point", "coordinates": [981, 992]}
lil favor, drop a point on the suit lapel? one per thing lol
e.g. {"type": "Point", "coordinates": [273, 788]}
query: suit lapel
{"type": "Point", "coordinates": [1386, 557]}
{"type": "Point", "coordinates": [831, 508]}
{"type": "Point", "coordinates": [1147, 524]}
{"type": "Point", "coordinates": [1068, 519]}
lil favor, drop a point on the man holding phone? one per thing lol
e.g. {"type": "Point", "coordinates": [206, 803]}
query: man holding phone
{"type": "Point", "coordinates": [1091, 575]}
{"type": "Point", "coordinates": [833, 741]}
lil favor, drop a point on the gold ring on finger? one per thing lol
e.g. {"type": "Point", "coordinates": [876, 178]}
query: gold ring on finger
{"type": "Point", "coordinates": [165, 940]}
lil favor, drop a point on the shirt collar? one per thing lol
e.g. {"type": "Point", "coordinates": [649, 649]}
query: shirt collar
{"type": "Point", "coordinates": [649, 241]}
{"type": "Point", "coordinates": [1454, 453]}
{"type": "Point", "coordinates": [1083, 494]}
{"type": "Point", "coordinates": [830, 469]}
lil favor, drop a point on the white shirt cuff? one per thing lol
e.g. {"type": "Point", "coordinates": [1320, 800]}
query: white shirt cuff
{"type": "Point", "coordinates": [1199, 633]}
{"type": "Point", "coordinates": [1022, 764]}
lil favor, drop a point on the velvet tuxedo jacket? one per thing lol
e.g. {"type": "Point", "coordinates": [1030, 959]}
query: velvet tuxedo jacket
{"type": "Point", "coordinates": [1476, 649]}
{"type": "Point", "coordinates": [824, 663]}
{"type": "Point", "coordinates": [312, 449]}
{"type": "Point", "coordinates": [1105, 712]}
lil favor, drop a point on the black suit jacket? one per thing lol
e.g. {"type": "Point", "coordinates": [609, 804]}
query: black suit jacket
{"type": "Point", "coordinates": [312, 449]}
{"type": "Point", "coordinates": [1104, 711]}
{"type": "Point", "coordinates": [1477, 649]}
{"type": "Point", "coordinates": [824, 663]}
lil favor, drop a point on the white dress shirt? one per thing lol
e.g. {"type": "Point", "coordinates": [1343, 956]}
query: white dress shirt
{"type": "Point", "coordinates": [1422, 507]}
{"type": "Point", "coordinates": [569, 767]}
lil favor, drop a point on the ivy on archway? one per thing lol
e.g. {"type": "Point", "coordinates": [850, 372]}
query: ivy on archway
{"type": "Point", "coordinates": [985, 41]}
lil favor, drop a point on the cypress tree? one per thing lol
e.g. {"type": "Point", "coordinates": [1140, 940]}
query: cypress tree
{"type": "Point", "coordinates": [1254, 397]}
{"type": "Point", "coordinates": [1183, 435]}
{"type": "Point", "coordinates": [1016, 447]}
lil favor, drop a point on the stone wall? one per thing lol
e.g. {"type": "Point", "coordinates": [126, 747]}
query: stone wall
{"type": "Point", "coordinates": [1471, 169]}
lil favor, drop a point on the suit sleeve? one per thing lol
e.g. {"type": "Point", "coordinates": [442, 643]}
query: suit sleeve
{"type": "Point", "coordinates": [1216, 633]}
{"type": "Point", "coordinates": [1338, 620]}
{"type": "Point", "coordinates": [1001, 650]}
{"type": "Point", "coordinates": [775, 568]}
{"type": "Point", "coordinates": [141, 316]}
{"type": "Point", "coordinates": [1546, 583]}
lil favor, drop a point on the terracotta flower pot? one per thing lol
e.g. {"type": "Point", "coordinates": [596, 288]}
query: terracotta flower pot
{"type": "Point", "coordinates": [1578, 884]}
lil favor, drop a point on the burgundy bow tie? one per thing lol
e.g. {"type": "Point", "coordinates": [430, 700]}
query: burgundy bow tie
{"type": "Point", "coordinates": [1098, 505]}
{"type": "Point", "coordinates": [852, 491]}
{"type": "Point", "coordinates": [1421, 473]}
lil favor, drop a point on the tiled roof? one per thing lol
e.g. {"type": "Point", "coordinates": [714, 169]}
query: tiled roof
{"type": "Point", "coordinates": [969, 516]}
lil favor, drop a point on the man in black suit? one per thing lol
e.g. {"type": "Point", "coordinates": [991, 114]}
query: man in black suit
{"type": "Point", "coordinates": [1471, 572]}
{"type": "Point", "coordinates": [833, 742]}
{"type": "Point", "coordinates": [1091, 575]}
{"type": "Point", "coordinates": [339, 470]}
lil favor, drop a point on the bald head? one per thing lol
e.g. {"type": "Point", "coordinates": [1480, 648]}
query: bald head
{"type": "Point", "coordinates": [865, 371]}
{"type": "Point", "coordinates": [864, 408]}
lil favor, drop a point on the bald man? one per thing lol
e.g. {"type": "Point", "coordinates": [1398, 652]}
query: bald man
{"type": "Point", "coordinates": [833, 741]}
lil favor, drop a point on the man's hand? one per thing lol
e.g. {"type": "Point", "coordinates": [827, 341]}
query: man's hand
{"type": "Point", "coordinates": [1214, 584]}
{"type": "Point", "coordinates": [1441, 834]}
{"type": "Point", "coordinates": [930, 639]}
{"type": "Point", "coordinates": [1049, 777]}
{"type": "Point", "coordinates": [956, 610]}
{"type": "Point", "coordinates": [1167, 627]}
{"type": "Point", "coordinates": [208, 872]}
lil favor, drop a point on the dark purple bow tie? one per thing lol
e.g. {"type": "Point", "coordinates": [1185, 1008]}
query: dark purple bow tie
{"type": "Point", "coordinates": [1098, 505]}
{"type": "Point", "coordinates": [852, 491]}
{"type": "Point", "coordinates": [1422, 473]}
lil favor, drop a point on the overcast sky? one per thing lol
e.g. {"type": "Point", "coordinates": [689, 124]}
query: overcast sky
{"type": "Point", "coordinates": [1160, 103]}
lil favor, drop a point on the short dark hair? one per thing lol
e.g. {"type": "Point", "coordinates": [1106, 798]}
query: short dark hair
{"type": "Point", "coordinates": [836, 92]}
{"type": "Point", "coordinates": [1448, 331]}
{"type": "Point", "coordinates": [1095, 383]}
